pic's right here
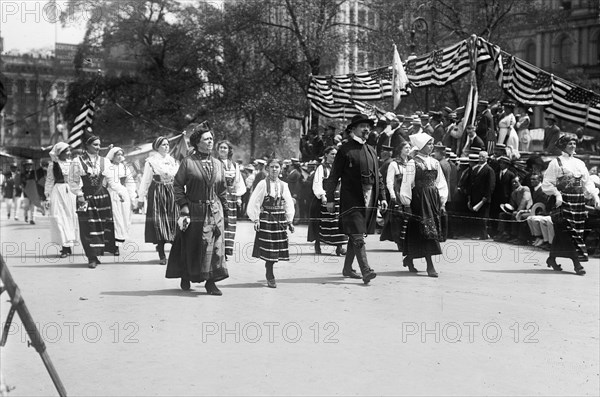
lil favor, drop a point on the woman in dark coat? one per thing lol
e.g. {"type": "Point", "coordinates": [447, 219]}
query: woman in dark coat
{"type": "Point", "coordinates": [425, 190]}
{"type": "Point", "coordinates": [198, 253]}
{"type": "Point", "coordinates": [568, 180]}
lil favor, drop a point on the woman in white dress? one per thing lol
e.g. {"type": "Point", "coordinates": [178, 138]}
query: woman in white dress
{"type": "Point", "coordinates": [125, 187]}
{"type": "Point", "coordinates": [507, 122]}
{"type": "Point", "coordinates": [64, 227]}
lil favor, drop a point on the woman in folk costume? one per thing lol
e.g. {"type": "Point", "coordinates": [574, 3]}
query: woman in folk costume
{"type": "Point", "coordinates": [88, 175]}
{"type": "Point", "coordinates": [425, 190]}
{"type": "Point", "coordinates": [122, 209]}
{"type": "Point", "coordinates": [326, 229]}
{"type": "Point", "coordinates": [63, 218]}
{"type": "Point", "coordinates": [395, 227]}
{"type": "Point", "coordinates": [568, 180]}
{"type": "Point", "coordinates": [198, 253]}
{"type": "Point", "coordinates": [271, 208]}
{"type": "Point", "coordinates": [157, 185]}
{"type": "Point", "coordinates": [236, 188]}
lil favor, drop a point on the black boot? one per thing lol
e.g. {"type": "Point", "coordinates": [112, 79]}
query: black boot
{"type": "Point", "coordinates": [211, 288]}
{"type": "Point", "coordinates": [317, 247]}
{"type": "Point", "coordinates": [185, 284]}
{"type": "Point", "coordinates": [579, 270]}
{"type": "Point", "coordinates": [361, 256]}
{"type": "Point", "coordinates": [408, 262]}
{"type": "Point", "coordinates": [348, 260]}
{"type": "Point", "coordinates": [160, 247]}
{"type": "Point", "coordinates": [551, 262]}
{"type": "Point", "coordinates": [270, 276]}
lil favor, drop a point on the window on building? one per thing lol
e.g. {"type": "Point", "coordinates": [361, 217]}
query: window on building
{"type": "Point", "coordinates": [530, 52]}
{"type": "Point", "coordinates": [362, 17]}
{"type": "Point", "coordinates": [564, 50]}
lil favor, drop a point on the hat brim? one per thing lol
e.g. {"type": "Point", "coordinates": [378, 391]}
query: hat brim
{"type": "Point", "coordinates": [355, 123]}
{"type": "Point", "coordinates": [507, 208]}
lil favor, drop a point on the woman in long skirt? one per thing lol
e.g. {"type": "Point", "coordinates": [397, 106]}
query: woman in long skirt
{"type": "Point", "coordinates": [122, 209]}
{"type": "Point", "coordinates": [198, 253]}
{"type": "Point", "coordinates": [63, 218]}
{"type": "Point", "coordinates": [424, 189]}
{"type": "Point", "coordinates": [235, 190]}
{"type": "Point", "coordinates": [324, 226]}
{"type": "Point", "coordinates": [157, 185]}
{"type": "Point", "coordinates": [394, 228]}
{"type": "Point", "coordinates": [87, 177]}
{"type": "Point", "coordinates": [567, 179]}
{"type": "Point", "coordinates": [271, 208]}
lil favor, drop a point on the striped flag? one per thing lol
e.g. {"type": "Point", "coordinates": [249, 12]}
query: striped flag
{"type": "Point", "coordinates": [575, 104]}
{"type": "Point", "coordinates": [83, 122]}
{"type": "Point", "coordinates": [526, 83]}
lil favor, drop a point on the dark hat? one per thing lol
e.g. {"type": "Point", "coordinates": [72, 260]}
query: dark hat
{"type": "Point", "coordinates": [508, 104]}
{"type": "Point", "coordinates": [387, 148]}
{"type": "Point", "coordinates": [446, 110]}
{"type": "Point", "coordinates": [550, 117]}
{"type": "Point", "coordinates": [440, 147]}
{"type": "Point", "coordinates": [436, 115]}
{"type": "Point", "coordinates": [504, 158]}
{"type": "Point", "coordinates": [360, 118]}
{"type": "Point", "coordinates": [564, 140]}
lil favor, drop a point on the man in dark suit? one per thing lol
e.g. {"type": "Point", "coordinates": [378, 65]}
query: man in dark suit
{"type": "Point", "coordinates": [470, 140]}
{"type": "Point", "coordinates": [485, 121]}
{"type": "Point", "coordinates": [362, 188]}
{"type": "Point", "coordinates": [503, 187]}
{"type": "Point", "coordinates": [481, 184]}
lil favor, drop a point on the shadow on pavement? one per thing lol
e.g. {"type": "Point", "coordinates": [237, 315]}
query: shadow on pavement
{"type": "Point", "coordinates": [529, 271]}
{"type": "Point", "coordinates": [160, 292]}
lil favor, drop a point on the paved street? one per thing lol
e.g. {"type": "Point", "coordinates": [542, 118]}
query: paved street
{"type": "Point", "coordinates": [496, 322]}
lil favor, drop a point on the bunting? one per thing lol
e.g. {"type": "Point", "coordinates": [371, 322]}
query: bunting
{"type": "Point", "coordinates": [83, 123]}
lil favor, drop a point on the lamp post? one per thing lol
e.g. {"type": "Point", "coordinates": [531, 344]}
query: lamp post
{"type": "Point", "coordinates": [419, 24]}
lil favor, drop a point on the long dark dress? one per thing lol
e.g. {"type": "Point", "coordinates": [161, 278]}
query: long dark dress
{"type": "Point", "coordinates": [424, 231]}
{"type": "Point", "coordinates": [198, 254]}
{"type": "Point", "coordinates": [396, 221]}
{"type": "Point", "coordinates": [325, 225]}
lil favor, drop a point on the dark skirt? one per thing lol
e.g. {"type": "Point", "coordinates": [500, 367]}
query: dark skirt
{"type": "Point", "coordinates": [394, 226]}
{"type": "Point", "coordinates": [161, 213]}
{"type": "Point", "coordinates": [424, 231]}
{"type": "Point", "coordinates": [329, 226]}
{"type": "Point", "coordinates": [314, 214]}
{"type": "Point", "coordinates": [231, 223]}
{"type": "Point", "coordinates": [569, 224]}
{"type": "Point", "coordinates": [96, 226]}
{"type": "Point", "coordinates": [198, 254]}
{"type": "Point", "coordinates": [271, 241]}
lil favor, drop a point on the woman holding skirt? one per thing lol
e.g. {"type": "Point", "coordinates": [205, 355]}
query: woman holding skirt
{"type": "Point", "coordinates": [324, 226]}
{"type": "Point", "coordinates": [567, 179]}
{"type": "Point", "coordinates": [235, 190]}
{"type": "Point", "coordinates": [394, 228]}
{"type": "Point", "coordinates": [88, 175]}
{"type": "Point", "coordinates": [63, 218]}
{"type": "Point", "coordinates": [157, 185]}
{"type": "Point", "coordinates": [271, 208]}
{"type": "Point", "coordinates": [122, 209]}
{"type": "Point", "coordinates": [424, 191]}
{"type": "Point", "coordinates": [198, 253]}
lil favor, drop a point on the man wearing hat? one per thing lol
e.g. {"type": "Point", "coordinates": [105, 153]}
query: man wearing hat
{"type": "Point", "coordinates": [485, 122]}
{"type": "Point", "coordinates": [362, 188]}
{"type": "Point", "coordinates": [440, 153]}
{"type": "Point", "coordinates": [438, 127]}
{"type": "Point", "coordinates": [425, 122]}
{"type": "Point", "coordinates": [29, 184]}
{"type": "Point", "coordinates": [481, 185]}
{"type": "Point", "coordinates": [11, 188]}
{"type": "Point", "coordinates": [415, 125]}
{"type": "Point", "coordinates": [503, 188]}
{"type": "Point", "coordinates": [470, 140]}
{"type": "Point", "coordinates": [551, 135]}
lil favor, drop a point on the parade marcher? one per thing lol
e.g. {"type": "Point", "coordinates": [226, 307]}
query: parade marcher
{"type": "Point", "coordinates": [29, 185]}
{"type": "Point", "coordinates": [425, 190]}
{"type": "Point", "coordinates": [551, 135]}
{"type": "Point", "coordinates": [481, 185]}
{"type": "Point", "coordinates": [324, 227]}
{"type": "Point", "coordinates": [394, 228]}
{"type": "Point", "coordinates": [507, 121]}
{"type": "Point", "coordinates": [568, 180]}
{"type": "Point", "coordinates": [11, 188]}
{"type": "Point", "coordinates": [87, 176]}
{"type": "Point", "coordinates": [271, 208]}
{"type": "Point", "coordinates": [198, 252]}
{"type": "Point", "coordinates": [63, 218]}
{"type": "Point", "coordinates": [362, 188]}
{"type": "Point", "coordinates": [157, 184]}
{"type": "Point", "coordinates": [123, 199]}
{"type": "Point", "coordinates": [236, 188]}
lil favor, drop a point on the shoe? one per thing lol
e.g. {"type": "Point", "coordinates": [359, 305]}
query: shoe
{"type": "Point", "coordinates": [432, 273]}
{"type": "Point", "coordinates": [369, 276]}
{"type": "Point", "coordinates": [271, 283]}
{"type": "Point", "coordinates": [163, 261]}
{"type": "Point", "coordinates": [340, 251]}
{"type": "Point", "coordinates": [486, 237]}
{"type": "Point", "coordinates": [212, 289]}
{"type": "Point", "coordinates": [31, 222]}
{"type": "Point", "coordinates": [8, 216]}
{"type": "Point", "coordinates": [551, 262]}
{"type": "Point", "coordinates": [185, 284]}
{"type": "Point", "coordinates": [351, 274]}
{"type": "Point", "coordinates": [63, 253]}
{"type": "Point", "coordinates": [538, 242]}
{"type": "Point", "coordinates": [93, 263]}
{"type": "Point", "coordinates": [410, 265]}
{"type": "Point", "coordinates": [580, 271]}
{"type": "Point", "coordinates": [117, 253]}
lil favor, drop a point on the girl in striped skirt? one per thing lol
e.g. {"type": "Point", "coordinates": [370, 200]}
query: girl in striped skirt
{"type": "Point", "coordinates": [161, 210]}
{"type": "Point", "coordinates": [271, 208]}
{"type": "Point", "coordinates": [326, 229]}
{"type": "Point", "coordinates": [87, 176]}
{"type": "Point", "coordinates": [568, 180]}
{"type": "Point", "coordinates": [235, 190]}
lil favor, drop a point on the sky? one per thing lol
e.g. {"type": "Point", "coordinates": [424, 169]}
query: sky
{"type": "Point", "coordinates": [28, 25]}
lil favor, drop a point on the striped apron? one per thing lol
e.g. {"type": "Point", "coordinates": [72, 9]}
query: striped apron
{"type": "Point", "coordinates": [271, 241]}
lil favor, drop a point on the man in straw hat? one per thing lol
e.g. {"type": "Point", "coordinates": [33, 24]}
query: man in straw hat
{"type": "Point", "coordinates": [481, 185]}
{"type": "Point", "coordinates": [362, 188]}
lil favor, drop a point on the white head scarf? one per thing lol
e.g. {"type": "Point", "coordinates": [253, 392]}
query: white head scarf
{"type": "Point", "coordinates": [57, 150]}
{"type": "Point", "coordinates": [420, 139]}
{"type": "Point", "coordinates": [112, 152]}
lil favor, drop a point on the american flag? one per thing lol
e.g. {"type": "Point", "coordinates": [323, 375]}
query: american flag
{"type": "Point", "coordinates": [343, 95]}
{"type": "Point", "coordinates": [565, 96]}
{"type": "Point", "coordinates": [82, 122]}
{"type": "Point", "coordinates": [526, 83]}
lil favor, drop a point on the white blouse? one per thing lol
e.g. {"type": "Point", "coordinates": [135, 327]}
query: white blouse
{"type": "Point", "coordinates": [119, 171]}
{"type": "Point", "coordinates": [570, 165]}
{"type": "Point", "coordinates": [76, 171]}
{"type": "Point", "coordinates": [259, 194]}
{"type": "Point", "coordinates": [156, 164]}
{"type": "Point", "coordinates": [507, 121]}
{"type": "Point", "coordinates": [317, 185]}
{"type": "Point", "coordinates": [408, 181]}
{"type": "Point", "coordinates": [239, 187]}
{"type": "Point", "coordinates": [390, 179]}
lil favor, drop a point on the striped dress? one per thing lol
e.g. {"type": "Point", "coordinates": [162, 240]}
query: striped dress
{"type": "Point", "coordinates": [96, 227]}
{"type": "Point", "coordinates": [271, 203]}
{"type": "Point", "coordinates": [235, 188]}
{"type": "Point", "coordinates": [329, 225]}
